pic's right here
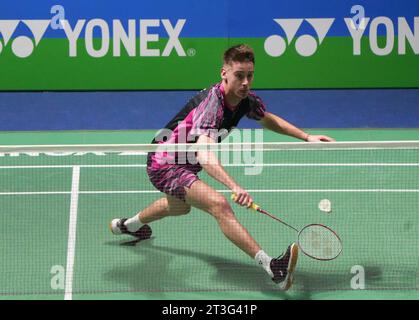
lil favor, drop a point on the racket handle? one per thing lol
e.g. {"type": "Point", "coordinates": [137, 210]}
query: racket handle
{"type": "Point", "coordinates": [254, 206]}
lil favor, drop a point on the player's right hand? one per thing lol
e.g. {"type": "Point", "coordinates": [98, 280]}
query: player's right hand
{"type": "Point", "coordinates": [242, 197]}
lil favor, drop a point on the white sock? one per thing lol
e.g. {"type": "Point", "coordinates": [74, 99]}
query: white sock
{"type": "Point", "coordinates": [134, 223]}
{"type": "Point", "coordinates": [264, 260]}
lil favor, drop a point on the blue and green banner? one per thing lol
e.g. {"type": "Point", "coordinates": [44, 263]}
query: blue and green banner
{"type": "Point", "coordinates": [163, 44]}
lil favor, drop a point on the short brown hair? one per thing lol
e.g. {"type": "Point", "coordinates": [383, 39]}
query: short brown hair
{"type": "Point", "coordinates": [239, 53]}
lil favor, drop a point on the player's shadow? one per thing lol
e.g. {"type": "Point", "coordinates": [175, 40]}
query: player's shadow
{"type": "Point", "coordinates": [157, 271]}
{"type": "Point", "coordinates": [375, 278]}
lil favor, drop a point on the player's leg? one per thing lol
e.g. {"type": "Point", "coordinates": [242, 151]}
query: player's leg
{"type": "Point", "coordinates": [281, 269]}
{"type": "Point", "coordinates": [163, 207]}
{"type": "Point", "coordinates": [203, 197]}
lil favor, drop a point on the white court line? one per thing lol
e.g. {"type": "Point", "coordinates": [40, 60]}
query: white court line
{"type": "Point", "coordinates": [225, 165]}
{"type": "Point", "coordinates": [325, 165]}
{"type": "Point", "coordinates": [263, 146]}
{"type": "Point", "coordinates": [264, 191]}
{"type": "Point", "coordinates": [223, 191]}
{"type": "Point", "coordinates": [71, 246]}
{"type": "Point", "coordinates": [32, 193]}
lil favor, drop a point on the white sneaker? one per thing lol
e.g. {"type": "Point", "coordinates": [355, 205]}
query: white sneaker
{"type": "Point", "coordinates": [117, 227]}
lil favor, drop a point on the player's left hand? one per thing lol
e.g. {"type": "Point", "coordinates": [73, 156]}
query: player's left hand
{"type": "Point", "coordinates": [319, 138]}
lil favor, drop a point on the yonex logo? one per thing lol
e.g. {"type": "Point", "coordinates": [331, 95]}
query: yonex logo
{"type": "Point", "coordinates": [22, 46]}
{"type": "Point", "coordinates": [305, 45]}
{"type": "Point", "coordinates": [127, 38]}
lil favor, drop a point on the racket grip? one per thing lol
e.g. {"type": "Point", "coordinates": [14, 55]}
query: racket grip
{"type": "Point", "coordinates": [254, 206]}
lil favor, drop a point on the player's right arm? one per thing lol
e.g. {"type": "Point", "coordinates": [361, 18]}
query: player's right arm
{"type": "Point", "coordinates": [211, 164]}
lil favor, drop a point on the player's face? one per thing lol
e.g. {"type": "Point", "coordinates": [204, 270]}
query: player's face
{"type": "Point", "coordinates": [238, 78]}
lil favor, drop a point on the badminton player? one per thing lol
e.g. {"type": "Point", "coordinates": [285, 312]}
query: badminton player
{"type": "Point", "coordinates": [214, 110]}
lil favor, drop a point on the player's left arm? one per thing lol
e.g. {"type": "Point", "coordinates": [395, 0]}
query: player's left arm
{"type": "Point", "coordinates": [274, 123]}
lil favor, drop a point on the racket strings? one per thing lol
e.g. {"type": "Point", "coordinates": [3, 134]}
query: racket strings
{"type": "Point", "coordinates": [319, 242]}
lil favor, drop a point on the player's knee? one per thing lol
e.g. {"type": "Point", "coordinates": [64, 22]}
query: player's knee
{"type": "Point", "coordinates": [221, 207]}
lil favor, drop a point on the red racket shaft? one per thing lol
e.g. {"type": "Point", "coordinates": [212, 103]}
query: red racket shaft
{"type": "Point", "coordinates": [256, 207]}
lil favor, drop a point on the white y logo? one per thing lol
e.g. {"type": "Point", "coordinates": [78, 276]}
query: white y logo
{"type": "Point", "coordinates": [22, 46]}
{"type": "Point", "coordinates": [306, 45]}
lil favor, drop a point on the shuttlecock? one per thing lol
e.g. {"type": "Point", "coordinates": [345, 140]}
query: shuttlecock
{"type": "Point", "coordinates": [325, 205]}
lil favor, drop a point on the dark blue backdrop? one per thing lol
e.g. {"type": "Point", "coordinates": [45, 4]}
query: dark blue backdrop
{"type": "Point", "coordinates": [390, 108]}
